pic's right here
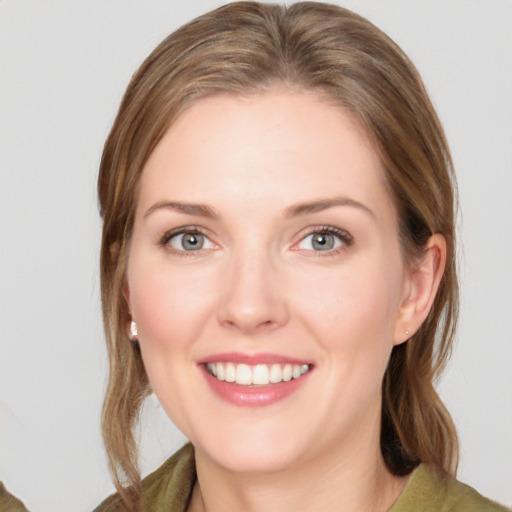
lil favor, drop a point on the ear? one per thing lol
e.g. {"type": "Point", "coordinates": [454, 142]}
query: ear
{"type": "Point", "coordinates": [420, 289]}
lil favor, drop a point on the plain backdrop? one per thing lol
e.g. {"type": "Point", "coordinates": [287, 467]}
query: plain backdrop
{"type": "Point", "coordinates": [63, 68]}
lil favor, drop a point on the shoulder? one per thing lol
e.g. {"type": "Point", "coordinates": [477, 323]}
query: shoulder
{"type": "Point", "coordinates": [8, 503]}
{"type": "Point", "coordinates": [431, 490]}
{"type": "Point", "coordinates": [167, 488]}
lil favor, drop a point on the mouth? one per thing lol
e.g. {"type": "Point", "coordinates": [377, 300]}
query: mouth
{"type": "Point", "coordinates": [256, 375]}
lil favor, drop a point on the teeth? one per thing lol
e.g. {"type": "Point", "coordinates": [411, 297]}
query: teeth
{"type": "Point", "coordinates": [243, 374]}
{"type": "Point", "coordinates": [287, 373]}
{"type": "Point", "coordinates": [230, 372]}
{"type": "Point", "coordinates": [260, 375]}
{"type": "Point", "coordinates": [257, 375]}
{"type": "Point", "coordinates": [219, 371]}
{"type": "Point", "coordinates": [276, 374]}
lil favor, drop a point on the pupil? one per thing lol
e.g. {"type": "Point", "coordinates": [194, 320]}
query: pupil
{"type": "Point", "coordinates": [192, 242]}
{"type": "Point", "coordinates": [323, 241]}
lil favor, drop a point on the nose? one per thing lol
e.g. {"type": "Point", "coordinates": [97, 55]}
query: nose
{"type": "Point", "coordinates": [253, 295]}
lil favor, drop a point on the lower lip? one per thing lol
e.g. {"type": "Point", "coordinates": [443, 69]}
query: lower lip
{"type": "Point", "coordinates": [254, 396]}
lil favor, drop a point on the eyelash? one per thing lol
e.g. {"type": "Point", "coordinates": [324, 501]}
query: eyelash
{"type": "Point", "coordinates": [188, 230]}
{"type": "Point", "coordinates": [346, 239]}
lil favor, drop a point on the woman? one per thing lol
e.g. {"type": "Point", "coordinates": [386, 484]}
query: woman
{"type": "Point", "coordinates": [278, 267]}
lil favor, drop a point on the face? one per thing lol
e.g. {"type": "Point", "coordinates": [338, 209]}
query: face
{"type": "Point", "coordinates": [266, 278]}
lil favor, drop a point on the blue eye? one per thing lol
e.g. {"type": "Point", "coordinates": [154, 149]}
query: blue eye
{"type": "Point", "coordinates": [189, 241]}
{"type": "Point", "coordinates": [325, 240]}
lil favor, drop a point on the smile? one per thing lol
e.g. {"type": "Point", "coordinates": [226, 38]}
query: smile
{"type": "Point", "coordinates": [256, 375]}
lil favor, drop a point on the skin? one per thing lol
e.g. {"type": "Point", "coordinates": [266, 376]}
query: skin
{"type": "Point", "coordinates": [259, 285]}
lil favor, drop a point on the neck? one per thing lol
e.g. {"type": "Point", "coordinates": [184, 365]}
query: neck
{"type": "Point", "coordinates": [347, 480]}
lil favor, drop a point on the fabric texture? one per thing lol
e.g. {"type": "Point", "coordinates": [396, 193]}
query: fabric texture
{"type": "Point", "coordinates": [8, 503]}
{"type": "Point", "coordinates": [430, 490]}
{"type": "Point", "coordinates": [169, 489]}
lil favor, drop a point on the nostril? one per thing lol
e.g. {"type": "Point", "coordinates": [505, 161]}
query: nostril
{"type": "Point", "coordinates": [249, 325]}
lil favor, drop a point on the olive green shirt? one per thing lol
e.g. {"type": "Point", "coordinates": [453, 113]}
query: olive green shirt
{"type": "Point", "coordinates": [8, 503]}
{"type": "Point", "coordinates": [169, 488]}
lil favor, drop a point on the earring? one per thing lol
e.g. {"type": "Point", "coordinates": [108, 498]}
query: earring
{"type": "Point", "coordinates": [406, 331]}
{"type": "Point", "coordinates": [133, 331]}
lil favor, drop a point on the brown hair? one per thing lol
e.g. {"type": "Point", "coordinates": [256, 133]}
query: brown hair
{"type": "Point", "coordinates": [247, 48]}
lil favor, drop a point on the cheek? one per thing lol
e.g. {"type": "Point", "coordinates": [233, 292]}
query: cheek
{"type": "Point", "coordinates": [170, 311]}
{"type": "Point", "coordinates": [354, 310]}
{"type": "Point", "coordinates": [167, 304]}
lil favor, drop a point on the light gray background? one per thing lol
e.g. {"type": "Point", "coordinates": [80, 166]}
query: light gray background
{"type": "Point", "coordinates": [63, 68]}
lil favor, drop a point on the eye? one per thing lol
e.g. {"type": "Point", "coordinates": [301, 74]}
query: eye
{"type": "Point", "coordinates": [325, 239]}
{"type": "Point", "coordinates": [187, 241]}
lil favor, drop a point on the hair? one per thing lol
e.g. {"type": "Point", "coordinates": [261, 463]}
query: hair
{"type": "Point", "coordinates": [248, 48]}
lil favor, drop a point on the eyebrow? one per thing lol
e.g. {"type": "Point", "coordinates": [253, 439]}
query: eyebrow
{"type": "Point", "coordinates": [323, 204]}
{"type": "Point", "coordinates": [295, 210]}
{"type": "Point", "coordinates": [199, 210]}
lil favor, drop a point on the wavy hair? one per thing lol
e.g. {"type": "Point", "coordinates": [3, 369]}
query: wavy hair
{"type": "Point", "coordinates": [247, 48]}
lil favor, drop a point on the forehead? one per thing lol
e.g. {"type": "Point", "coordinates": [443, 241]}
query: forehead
{"type": "Point", "coordinates": [287, 145]}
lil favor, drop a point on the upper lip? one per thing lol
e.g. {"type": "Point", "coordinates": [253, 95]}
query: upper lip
{"type": "Point", "coordinates": [252, 359]}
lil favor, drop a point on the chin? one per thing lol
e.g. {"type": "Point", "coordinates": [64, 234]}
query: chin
{"type": "Point", "coordinates": [260, 451]}
{"type": "Point", "coordinates": [253, 459]}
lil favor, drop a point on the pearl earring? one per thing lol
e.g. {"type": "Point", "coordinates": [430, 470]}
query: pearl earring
{"type": "Point", "coordinates": [133, 331]}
